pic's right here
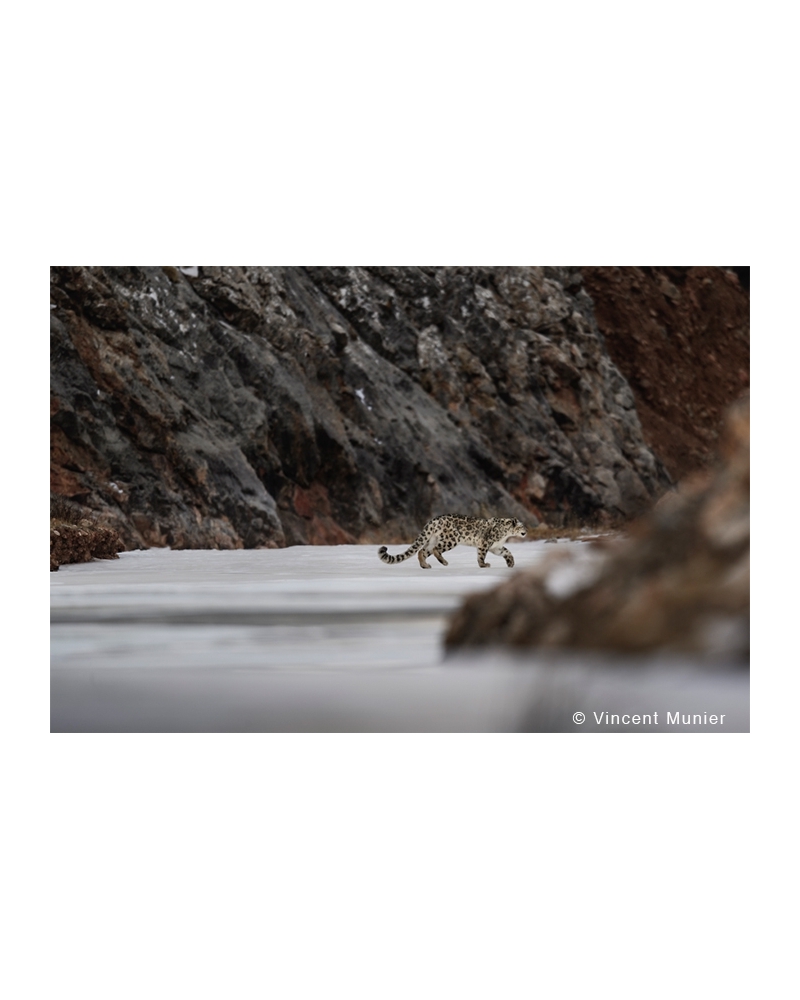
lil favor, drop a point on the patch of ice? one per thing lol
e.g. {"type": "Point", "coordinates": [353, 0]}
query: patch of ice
{"type": "Point", "coordinates": [573, 574]}
{"type": "Point", "coordinates": [324, 639]}
{"type": "Point", "coordinates": [190, 272]}
{"type": "Point", "coordinates": [362, 397]}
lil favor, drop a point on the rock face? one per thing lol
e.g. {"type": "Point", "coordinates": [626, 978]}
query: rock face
{"type": "Point", "coordinates": [679, 583]}
{"type": "Point", "coordinates": [252, 406]}
{"type": "Point", "coordinates": [681, 337]}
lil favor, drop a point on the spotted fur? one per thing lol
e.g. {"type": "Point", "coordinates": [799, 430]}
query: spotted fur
{"type": "Point", "coordinates": [443, 533]}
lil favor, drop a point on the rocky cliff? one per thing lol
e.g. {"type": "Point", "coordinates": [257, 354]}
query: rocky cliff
{"type": "Point", "coordinates": [255, 406]}
{"type": "Point", "coordinates": [681, 337]}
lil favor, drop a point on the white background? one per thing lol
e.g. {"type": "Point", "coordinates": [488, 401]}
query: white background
{"type": "Point", "coordinates": [397, 866]}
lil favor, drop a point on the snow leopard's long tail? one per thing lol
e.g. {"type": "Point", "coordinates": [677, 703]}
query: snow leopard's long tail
{"type": "Point", "coordinates": [384, 556]}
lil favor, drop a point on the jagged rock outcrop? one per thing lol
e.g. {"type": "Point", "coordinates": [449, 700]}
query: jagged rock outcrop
{"type": "Point", "coordinates": [253, 406]}
{"type": "Point", "coordinates": [77, 536]}
{"type": "Point", "coordinates": [680, 582]}
{"type": "Point", "coordinates": [681, 338]}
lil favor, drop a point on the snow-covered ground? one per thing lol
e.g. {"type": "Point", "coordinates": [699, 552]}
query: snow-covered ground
{"type": "Point", "coordinates": [328, 638]}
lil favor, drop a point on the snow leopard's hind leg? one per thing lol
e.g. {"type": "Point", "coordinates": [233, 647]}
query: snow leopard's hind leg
{"type": "Point", "coordinates": [444, 546]}
{"type": "Point", "coordinates": [433, 547]}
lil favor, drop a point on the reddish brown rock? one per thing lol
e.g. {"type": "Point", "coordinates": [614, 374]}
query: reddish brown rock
{"type": "Point", "coordinates": [76, 536]}
{"type": "Point", "coordinates": [319, 527]}
{"type": "Point", "coordinates": [681, 337]}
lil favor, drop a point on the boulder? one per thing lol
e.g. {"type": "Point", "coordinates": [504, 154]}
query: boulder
{"type": "Point", "coordinates": [76, 535]}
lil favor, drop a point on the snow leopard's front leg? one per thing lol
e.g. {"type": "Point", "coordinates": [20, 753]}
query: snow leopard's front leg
{"type": "Point", "coordinates": [501, 550]}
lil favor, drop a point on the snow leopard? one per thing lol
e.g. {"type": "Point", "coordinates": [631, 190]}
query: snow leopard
{"type": "Point", "coordinates": [445, 532]}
